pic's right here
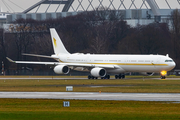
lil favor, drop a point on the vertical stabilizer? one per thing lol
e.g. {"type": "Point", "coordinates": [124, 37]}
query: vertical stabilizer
{"type": "Point", "coordinates": [57, 43]}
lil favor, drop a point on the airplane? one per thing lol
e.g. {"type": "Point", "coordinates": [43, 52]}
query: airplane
{"type": "Point", "coordinates": [102, 65]}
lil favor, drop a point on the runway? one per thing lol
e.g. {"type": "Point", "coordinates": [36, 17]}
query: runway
{"type": "Point", "coordinates": [93, 96]}
{"type": "Point", "coordinates": [71, 78]}
{"type": "Point", "coordinates": [45, 78]}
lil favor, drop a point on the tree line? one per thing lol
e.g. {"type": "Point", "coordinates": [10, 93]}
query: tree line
{"type": "Point", "coordinates": [100, 31]}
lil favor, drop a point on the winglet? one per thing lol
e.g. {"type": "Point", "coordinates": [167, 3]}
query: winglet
{"type": "Point", "coordinates": [10, 60]}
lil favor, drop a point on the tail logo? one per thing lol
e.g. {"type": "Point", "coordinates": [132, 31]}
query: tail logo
{"type": "Point", "coordinates": [54, 40]}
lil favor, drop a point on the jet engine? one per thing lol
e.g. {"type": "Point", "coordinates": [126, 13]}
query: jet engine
{"type": "Point", "coordinates": [61, 69]}
{"type": "Point", "coordinates": [98, 72]}
{"type": "Point", "coordinates": [147, 73]}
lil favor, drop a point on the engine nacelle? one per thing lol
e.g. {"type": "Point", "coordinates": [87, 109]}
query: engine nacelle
{"type": "Point", "coordinates": [98, 72]}
{"type": "Point", "coordinates": [61, 69]}
{"type": "Point", "coordinates": [147, 73]}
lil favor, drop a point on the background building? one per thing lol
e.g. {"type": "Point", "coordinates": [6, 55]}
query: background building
{"type": "Point", "coordinates": [134, 11]}
{"type": "Point", "coordinates": [3, 17]}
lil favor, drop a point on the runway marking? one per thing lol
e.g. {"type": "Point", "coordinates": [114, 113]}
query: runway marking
{"type": "Point", "coordinates": [94, 96]}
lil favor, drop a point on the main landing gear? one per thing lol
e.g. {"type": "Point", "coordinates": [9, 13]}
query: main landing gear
{"type": "Point", "coordinates": [106, 77]}
{"type": "Point", "coordinates": [120, 76]}
{"type": "Point", "coordinates": [92, 77]}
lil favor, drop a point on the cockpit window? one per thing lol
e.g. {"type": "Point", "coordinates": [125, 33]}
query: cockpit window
{"type": "Point", "coordinates": [168, 60]}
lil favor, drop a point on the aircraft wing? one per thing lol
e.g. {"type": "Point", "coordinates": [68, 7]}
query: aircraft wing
{"type": "Point", "coordinates": [68, 64]}
{"type": "Point", "coordinates": [87, 65]}
{"type": "Point", "coordinates": [39, 55]}
{"type": "Point", "coordinates": [30, 62]}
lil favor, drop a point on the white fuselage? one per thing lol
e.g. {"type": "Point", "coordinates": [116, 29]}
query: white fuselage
{"type": "Point", "coordinates": [122, 63]}
{"type": "Point", "coordinates": [100, 65]}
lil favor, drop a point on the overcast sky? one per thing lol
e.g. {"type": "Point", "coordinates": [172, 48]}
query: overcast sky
{"type": "Point", "coordinates": [21, 5]}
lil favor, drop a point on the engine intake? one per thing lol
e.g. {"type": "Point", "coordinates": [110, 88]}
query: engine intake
{"type": "Point", "coordinates": [98, 72]}
{"type": "Point", "coordinates": [61, 69]}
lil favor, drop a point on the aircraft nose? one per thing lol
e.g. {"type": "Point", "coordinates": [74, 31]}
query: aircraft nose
{"type": "Point", "coordinates": [172, 65]}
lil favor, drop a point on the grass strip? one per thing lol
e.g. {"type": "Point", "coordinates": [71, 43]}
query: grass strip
{"type": "Point", "coordinates": [81, 109]}
{"type": "Point", "coordinates": [125, 86]}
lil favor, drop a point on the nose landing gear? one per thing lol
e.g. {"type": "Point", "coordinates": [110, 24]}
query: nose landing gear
{"type": "Point", "coordinates": [163, 77]}
{"type": "Point", "coordinates": [163, 74]}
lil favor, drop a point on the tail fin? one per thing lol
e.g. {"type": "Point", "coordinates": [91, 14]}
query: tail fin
{"type": "Point", "coordinates": [57, 43]}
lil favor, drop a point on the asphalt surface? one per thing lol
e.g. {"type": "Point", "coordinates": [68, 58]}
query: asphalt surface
{"type": "Point", "coordinates": [70, 78]}
{"type": "Point", "coordinates": [93, 96]}
{"type": "Point", "coordinates": [44, 78]}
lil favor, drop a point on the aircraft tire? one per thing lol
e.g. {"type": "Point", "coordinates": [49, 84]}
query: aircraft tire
{"type": "Point", "coordinates": [89, 76]}
{"type": "Point", "coordinates": [108, 76]}
{"type": "Point", "coordinates": [163, 77]}
{"type": "Point", "coordinates": [120, 76]}
{"type": "Point", "coordinates": [123, 76]}
{"type": "Point", "coordinates": [116, 76]}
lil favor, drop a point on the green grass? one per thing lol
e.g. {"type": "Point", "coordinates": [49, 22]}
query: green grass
{"type": "Point", "coordinates": [29, 109]}
{"type": "Point", "coordinates": [37, 109]}
{"type": "Point", "coordinates": [134, 85]}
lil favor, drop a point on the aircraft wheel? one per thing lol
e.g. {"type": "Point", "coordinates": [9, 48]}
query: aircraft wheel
{"type": "Point", "coordinates": [120, 76]}
{"type": "Point", "coordinates": [163, 77]}
{"type": "Point", "coordinates": [108, 76]}
{"type": "Point", "coordinates": [123, 76]}
{"type": "Point", "coordinates": [89, 76]}
{"type": "Point", "coordinates": [116, 76]}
